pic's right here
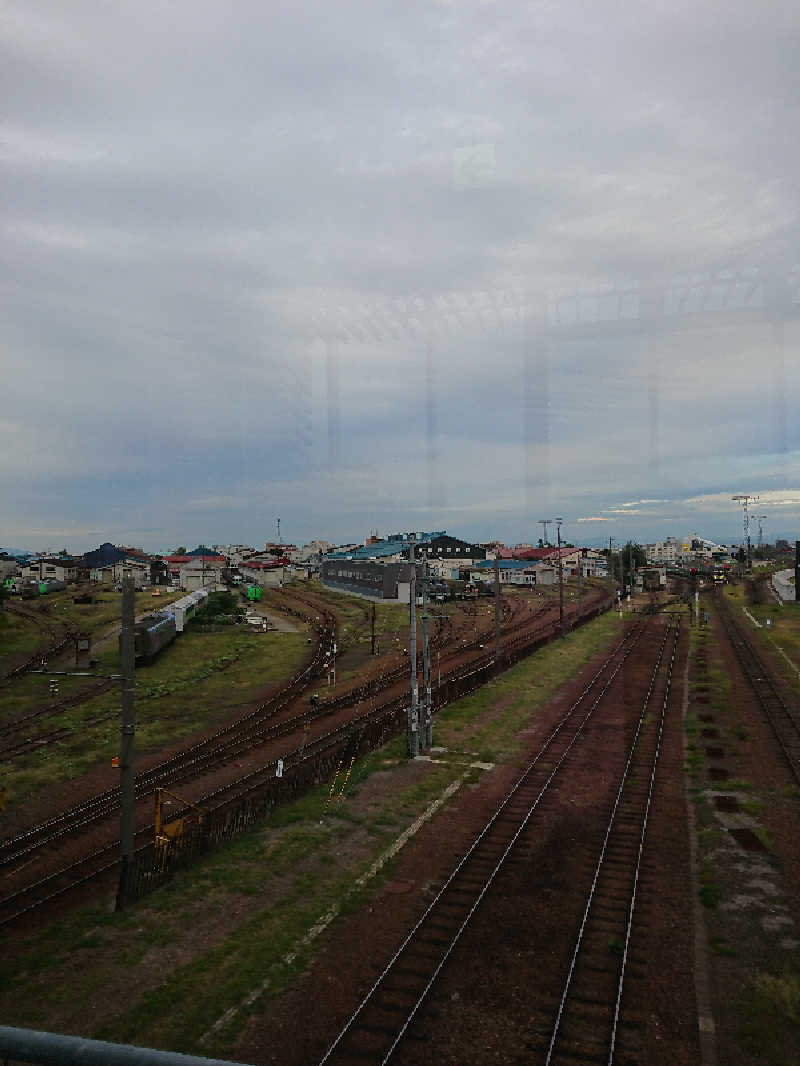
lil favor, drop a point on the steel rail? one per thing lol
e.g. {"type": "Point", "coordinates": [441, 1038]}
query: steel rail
{"type": "Point", "coordinates": [98, 806]}
{"type": "Point", "coordinates": [248, 786]}
{"type": "Point", "coordinates": [612, 823]}
{"type": "Point", "coordinates": [623, 650]}
{"type": "Point", "coordinates": [784, 723]}
{"type": "Point", "coordinates": [239, 736]}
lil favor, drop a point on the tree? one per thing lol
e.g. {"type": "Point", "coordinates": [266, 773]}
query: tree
{"type": "Point", "coordinates": [4, 595]}
{"type": "Point", "coordinates": [180, 551]}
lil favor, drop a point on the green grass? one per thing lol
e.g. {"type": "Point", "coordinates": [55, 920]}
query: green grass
{"type": "Point", "coordinates": [710, 892]}
{"type": "Point", "coordinates": [769, 1014]}
{"type": "Point", "coordinates": [18, 637]}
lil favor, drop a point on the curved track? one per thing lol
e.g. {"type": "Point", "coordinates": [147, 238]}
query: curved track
{"type": "Point", "coordinates": [254, 729]}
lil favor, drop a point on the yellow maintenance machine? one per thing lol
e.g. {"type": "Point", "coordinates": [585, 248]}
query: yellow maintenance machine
{"type": "Point", "coordinates": [169, 832]}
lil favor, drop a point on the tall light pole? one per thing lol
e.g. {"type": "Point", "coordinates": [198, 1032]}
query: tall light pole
{"type": "Point", "coordinates": [744, 498]}
{"type": "Point", "coordinates": [413, 719]}
{"type": "Point", "coordinates": [611, 569]}
{"type": "Point", "coordinates": [497, 611]}
{"type": "Point", "coordinates": [560, 581]}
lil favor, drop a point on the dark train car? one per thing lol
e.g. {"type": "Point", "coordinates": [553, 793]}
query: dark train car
{"type": "Point", "coordinates": [152, 634]}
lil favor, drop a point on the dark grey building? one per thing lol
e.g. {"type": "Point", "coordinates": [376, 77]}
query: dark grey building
{"type": "Point", "coordinates": [379, 581]}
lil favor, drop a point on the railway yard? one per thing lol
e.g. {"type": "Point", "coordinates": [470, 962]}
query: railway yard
{"type": "Point", "coordinates": [597, 861]}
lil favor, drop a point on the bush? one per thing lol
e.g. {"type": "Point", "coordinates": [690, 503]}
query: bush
{"type": "Point", "coordinates": [220, 609]}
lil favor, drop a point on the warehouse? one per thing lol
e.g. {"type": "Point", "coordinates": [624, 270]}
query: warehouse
{"type": "Point", "coordinates": [377, 581]}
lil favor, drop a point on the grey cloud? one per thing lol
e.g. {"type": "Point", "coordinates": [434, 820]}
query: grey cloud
{"type": "Point", "coordinates": [204, 205]}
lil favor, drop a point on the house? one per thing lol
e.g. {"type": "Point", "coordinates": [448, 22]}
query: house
{"type": "Point", "coordinates": [57, 569]}
{"type": "Point", "coordinates": [515, 572]}
{"type": "Point", "coordinates": [268, 571]}
{"type": "Point", "coordinates": [445, 554]}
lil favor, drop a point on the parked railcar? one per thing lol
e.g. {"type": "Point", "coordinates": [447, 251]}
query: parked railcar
{"type": "Point", "coordinates": [152, 634]}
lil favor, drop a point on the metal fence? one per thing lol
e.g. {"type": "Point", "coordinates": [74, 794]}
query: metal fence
{"type": "Point", "coordinates": [283, 780]}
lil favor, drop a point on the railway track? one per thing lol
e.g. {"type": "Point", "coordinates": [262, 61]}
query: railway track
{"type": "Point", "coordinates": [23, 847]}
{"type": "Point", "coordinates": [57, 643]}
{"type": "Point", "coordinates": [783, 718]}
{"type": "Point", "coordinates": [224, 744]}
{"type": "Point", "coordinates": [589, 1018]}
{"type": "Point", "coordinates": [381, 1021]}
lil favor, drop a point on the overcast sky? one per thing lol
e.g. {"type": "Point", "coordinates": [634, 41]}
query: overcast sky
{"type": "Point", "coordinates": [453, 265]}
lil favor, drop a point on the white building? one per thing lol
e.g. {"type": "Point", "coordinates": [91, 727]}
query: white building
{"type": "Point", "coordinates": [201, 574]}
{"type": "Point", "coordinates": [51, 570]}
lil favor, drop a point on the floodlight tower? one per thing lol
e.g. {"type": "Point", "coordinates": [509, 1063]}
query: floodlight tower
{"type": "Point", "coordinates": [545, 522]}
{"type": "Point", "coordinates": [744, 498]}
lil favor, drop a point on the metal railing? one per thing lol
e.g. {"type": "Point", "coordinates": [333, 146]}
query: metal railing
{"type": "Point", "coordinates": [56, 1049]}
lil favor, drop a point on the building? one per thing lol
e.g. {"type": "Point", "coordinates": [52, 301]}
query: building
{"type": "Point", "coordinates": [9, 567]}
{"type": "Point", "coordinates": [392, 549]}
{"type": "Point", "coordinates": [445, 553]}
{"type": "Point", "coordinates": [366, 577]}
{"type": "Point", "coordinates": [593, 563]}
{"type": "Point", "coordinates": [312, 552]}
{"type": "Point", "coordinates": [267, 571]}
{"type": "Point", "coordinates": [58, 569]}
{"type": "Point", "coordinates": [515, 572]}
{"type": "Point", "coordinates": [202, 572]}
{"type": "Point", "coordinates": [110, 564]}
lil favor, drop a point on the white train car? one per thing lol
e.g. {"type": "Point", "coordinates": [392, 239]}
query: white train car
{"type": "Point", "coordinates": [185, 607]}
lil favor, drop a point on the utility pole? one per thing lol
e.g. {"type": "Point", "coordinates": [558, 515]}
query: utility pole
{"type": "Point", "coordinates": [497, 612]}
{"type": "Point", "coordinates": [372, 642]}
{"type": "Point", "coordinates": [426, 719]}
{"type": "Point", "coordinates": [127, 773]}
{"type": "Point", "coordinates": [560, 582]}
{"type": "Point", "coordinates": [413, 714]}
